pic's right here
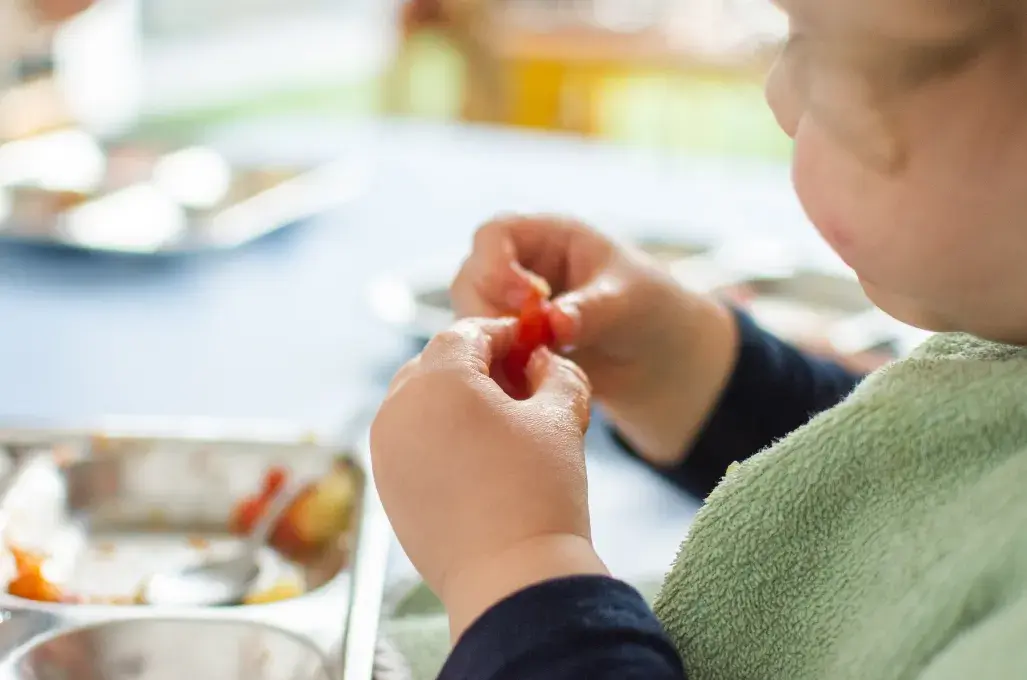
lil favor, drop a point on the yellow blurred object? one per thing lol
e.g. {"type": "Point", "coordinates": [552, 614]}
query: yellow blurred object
{"type": "Point", "coordinates": [283, 590]}
{"type": "Point", "coordinates": [328, 510]}
{"type": "Point", "coordinates": [551, 72]}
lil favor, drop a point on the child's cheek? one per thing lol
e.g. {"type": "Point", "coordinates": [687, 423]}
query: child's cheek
{"type": "Point", "coordinates": [821, 187]}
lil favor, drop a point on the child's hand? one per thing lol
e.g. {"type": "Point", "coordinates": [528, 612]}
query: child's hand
{"type": "Point", "coordinates": [487, 494]}
{"type": "Point", "coordinates": [657, 355]}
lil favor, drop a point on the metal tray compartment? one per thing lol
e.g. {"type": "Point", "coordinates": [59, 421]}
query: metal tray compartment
{"type": "Point", "coordinates": [68, 188]}
{"type": "Point", "coordinates": [109, 510]}
{"type": "Point", "coordinates": [152, 649]}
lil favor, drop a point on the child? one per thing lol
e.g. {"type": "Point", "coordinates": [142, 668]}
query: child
{"type": "Point", "coordinates": [882, 539]}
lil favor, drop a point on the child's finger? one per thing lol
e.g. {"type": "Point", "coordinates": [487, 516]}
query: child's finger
{"type": "Point", "coordinates": [478, 291]}
{"type": "Point", "coordinates": [495, 265]}
{"type": "Point", "coordinates": [505, 247]}
{"type": "Point", "coordinates": [560, 383]}
{"type": "Point", "coordinates": [581, 316]}
{"type": "Point", "coordinates": [472, 343]}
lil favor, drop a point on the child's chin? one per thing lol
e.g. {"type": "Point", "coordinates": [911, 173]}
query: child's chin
{"type": "Point", "coordinates": [905, 309]}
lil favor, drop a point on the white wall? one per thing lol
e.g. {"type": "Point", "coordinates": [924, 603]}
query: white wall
{"type": "Point", "coordinates": [212, 52]}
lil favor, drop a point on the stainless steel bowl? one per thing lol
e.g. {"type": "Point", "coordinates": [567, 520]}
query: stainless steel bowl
{"type": "Point", "coordinates": [156, 649]}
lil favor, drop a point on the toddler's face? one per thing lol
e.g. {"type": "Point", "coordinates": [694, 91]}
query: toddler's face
{"type": "Point", "coordinates": [919, 184]}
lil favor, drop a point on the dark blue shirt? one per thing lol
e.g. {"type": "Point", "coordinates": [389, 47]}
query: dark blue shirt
{"type": "Point", "coordinates": [598, 628]}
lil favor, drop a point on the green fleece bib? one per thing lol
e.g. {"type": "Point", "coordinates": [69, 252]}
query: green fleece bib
{"type": "Point", "coordinates": [886, 539]}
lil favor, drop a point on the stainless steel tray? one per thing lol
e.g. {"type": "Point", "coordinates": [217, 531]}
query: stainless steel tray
{"type": "Point", "coordinates": [66, 188]}
{"type": "Point", "coordinates": [165, 487]}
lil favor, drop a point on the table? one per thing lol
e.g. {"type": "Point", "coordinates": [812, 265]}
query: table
{"type": "Point", "coordinates": [282, 329]}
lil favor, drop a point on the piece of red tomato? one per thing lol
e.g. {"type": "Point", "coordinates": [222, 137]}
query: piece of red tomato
{"type": "Point", "coordinates": [534, 330]}
{"type": "Point", "coordinates": [245, 515]}
{"type": "Point", "coordinates": [274, 481]}
{"type": "Point", "coordinates": [250, 509]}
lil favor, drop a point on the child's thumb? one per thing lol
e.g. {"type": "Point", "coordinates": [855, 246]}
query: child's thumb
{"type": "Point", "coordinates": [581, 317]}
{"type": "Point", "coordinates": [560, 384]}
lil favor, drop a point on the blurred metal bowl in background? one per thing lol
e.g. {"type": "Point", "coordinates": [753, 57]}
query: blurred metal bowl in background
{"type": "Point", "coordinates": [155, 649]}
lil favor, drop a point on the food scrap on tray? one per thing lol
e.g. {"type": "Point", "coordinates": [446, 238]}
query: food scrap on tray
{"type": "Point", "coordinates": [29, 582]}
{"type": "Point", "coordinates": [321, 514]}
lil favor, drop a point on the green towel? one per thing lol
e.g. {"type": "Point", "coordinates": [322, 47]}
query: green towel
{"type": "Point", "coordinates": [885, 539]}
{"type": "Point", "coordinates": [423, 641]}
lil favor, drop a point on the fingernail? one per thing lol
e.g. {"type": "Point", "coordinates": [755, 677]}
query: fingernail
{"type": "Point", "coordinates": [569, 311]}
{"type": "Point", "coordinates": [480, 339]}
{"type": "Point", "coordinates": [568, 307]}
{"type": "Point", "coordinates": [568, 349]}
{"type": "Point", "coordinates": [539, 360]}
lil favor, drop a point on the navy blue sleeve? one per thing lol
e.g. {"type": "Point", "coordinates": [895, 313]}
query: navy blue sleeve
{"type": "Point", "coordinates": [579, 628]}
{"type": "Point", "coordinates": [774, 389]}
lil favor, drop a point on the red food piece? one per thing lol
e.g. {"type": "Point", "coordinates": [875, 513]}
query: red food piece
{"type": "Point", "coordinates": [287, 537]}
{"type": "Point", "coordinates": [250, 509]}
{"type": "Point", "coordinates": [319, 514]}
{"type": "Point", "coordinates": [246, 515]}
{"type": "Point", "coordinates": [534, 330]}
{"type": "Point", "coordinates": [274, 481]}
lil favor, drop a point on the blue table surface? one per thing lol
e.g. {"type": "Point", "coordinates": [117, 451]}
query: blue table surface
{"type": "Point", "coordinates": [281, 329]}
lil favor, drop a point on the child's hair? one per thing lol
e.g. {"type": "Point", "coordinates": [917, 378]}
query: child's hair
{"type": "Point", "coordinates": [866, 72]}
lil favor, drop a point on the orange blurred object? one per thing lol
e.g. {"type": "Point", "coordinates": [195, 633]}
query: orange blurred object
{"type": "Point", "coordinates": [29, 583]}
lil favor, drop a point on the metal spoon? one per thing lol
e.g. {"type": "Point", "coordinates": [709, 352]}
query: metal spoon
{"type": "Point", "coordinates": [225, 581]}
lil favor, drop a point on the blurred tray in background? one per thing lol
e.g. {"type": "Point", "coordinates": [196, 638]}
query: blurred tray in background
{"type": "Point", "coordinates": [70, 189]}
{"type": "Point", "coordinates": [104, 510]}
